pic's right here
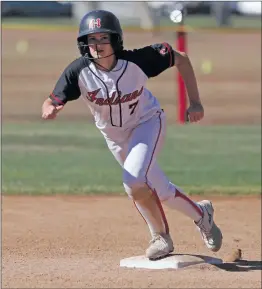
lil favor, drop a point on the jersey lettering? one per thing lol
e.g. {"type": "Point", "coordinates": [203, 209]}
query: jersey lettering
{"type": "Point", "coordinates": [115, 98]}
{"type": "Point", "coordinates": [92, 95]}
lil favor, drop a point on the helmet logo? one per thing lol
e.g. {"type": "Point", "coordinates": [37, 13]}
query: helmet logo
{"type": "Point", "coordinates": [95, 23]}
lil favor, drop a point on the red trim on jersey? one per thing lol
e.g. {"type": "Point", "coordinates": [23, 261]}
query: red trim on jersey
{"type": "Point", "coordinates": [170, 52]}
{"type": "Point", "coordinates": [161, 211]}
{"type": "Point", "coordinates": [160, 208]}
{"type": "Point", "coordinates": [185, 198]}
{"type": "Point", "coordinates": [160, 129]}
{"type": "Point", "coordinates": [56, 98]}
{"type": "Point", "coordinates": [140, 212]}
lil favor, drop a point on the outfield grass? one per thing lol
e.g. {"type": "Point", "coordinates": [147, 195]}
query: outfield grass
{"type": "Point", "coordinates": [55, 157]}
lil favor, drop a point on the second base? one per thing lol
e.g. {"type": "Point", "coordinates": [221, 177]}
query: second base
{"type": "Point", "coordinates": [170, 262]}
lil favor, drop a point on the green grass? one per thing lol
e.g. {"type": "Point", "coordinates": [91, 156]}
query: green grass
{"type": "Point", "coordinates": [55, 157]}
{"type": "Point", "coordinates": [237, 22]}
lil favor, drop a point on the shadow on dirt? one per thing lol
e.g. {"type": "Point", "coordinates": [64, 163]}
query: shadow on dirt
{"type": "Point", "coordinates": [238, 266]}
{"type": "Point", "coordinates": [241, 266]}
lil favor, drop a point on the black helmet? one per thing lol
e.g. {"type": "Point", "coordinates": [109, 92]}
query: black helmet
{"type": "Point", "coordinates": [99, 21]}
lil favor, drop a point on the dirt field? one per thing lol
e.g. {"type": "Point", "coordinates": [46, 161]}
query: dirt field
{"type": "Point", "coordinates": [55, 242]}
{"type": "Point", "coordinates": [69, 242]}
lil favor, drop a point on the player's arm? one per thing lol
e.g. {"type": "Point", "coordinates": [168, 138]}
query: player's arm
{"type": "Point", "coordinates": [165, 57]}
{"type": "Point", "coordinates": [156, 58]}
{"type": "Point", "coordinates": [185, 68]}
{"type": "Point", "coordinates": [49, 110]}
{"type": "Point", "coordinates": [66, 89]}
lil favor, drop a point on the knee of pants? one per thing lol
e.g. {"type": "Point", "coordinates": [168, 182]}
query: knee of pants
{"type": "Point", "coordinates": [135, 187]}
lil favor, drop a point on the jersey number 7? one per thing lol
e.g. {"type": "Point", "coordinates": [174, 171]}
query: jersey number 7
{"type": "Point", "coordinates": [133, 107]}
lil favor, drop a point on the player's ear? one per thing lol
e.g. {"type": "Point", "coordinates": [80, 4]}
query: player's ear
{"type": "Point", "coordinates": [116, 42]}
{"type": "Point", "coordinates": [82, 45]}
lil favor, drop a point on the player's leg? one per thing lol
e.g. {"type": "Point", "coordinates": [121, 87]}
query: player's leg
{"type": "Point", "coordinates": [173, 196]}
{"type": "Point", "coordinates": [151, 211]}
{"type": "Point", "coordinates": [144, 144]}
{"type": "Point", "coordinates": [202, 212]}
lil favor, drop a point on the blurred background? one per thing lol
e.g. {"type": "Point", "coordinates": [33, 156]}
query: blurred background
{"type": "Point", "coordinates": [222, 154]}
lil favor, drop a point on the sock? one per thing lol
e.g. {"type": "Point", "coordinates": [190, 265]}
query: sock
{"type": "Point", "coordinates": [151, 210]}
{"type": "Point", "coordinates": [180, 202]}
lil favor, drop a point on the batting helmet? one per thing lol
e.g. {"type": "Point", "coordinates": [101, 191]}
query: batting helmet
{"type": "Point", "coordinates": [99, 21]}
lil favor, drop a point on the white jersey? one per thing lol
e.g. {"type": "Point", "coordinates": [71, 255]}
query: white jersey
{"type": "Point", "coordinates": [117, 99]}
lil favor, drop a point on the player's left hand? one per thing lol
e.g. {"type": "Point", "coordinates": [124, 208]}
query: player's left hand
{"type": "Point", "coordinates": [195, 112]}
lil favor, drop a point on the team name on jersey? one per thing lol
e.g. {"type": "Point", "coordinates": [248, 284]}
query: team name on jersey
{"type": "Point", "coordinates": [115, 98]}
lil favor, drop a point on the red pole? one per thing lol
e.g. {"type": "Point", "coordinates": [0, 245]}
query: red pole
{"type": "Point", "coordinates": [182, 96]}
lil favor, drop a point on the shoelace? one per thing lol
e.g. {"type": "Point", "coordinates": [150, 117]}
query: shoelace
{"type": "Point", "coordinates": [155, 239]}
{"type": "Point", "coordinates": [205, 233]}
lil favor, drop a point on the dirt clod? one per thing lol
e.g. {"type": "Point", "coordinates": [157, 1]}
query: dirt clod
{"type": "Point", "coordinates": [235, 256]}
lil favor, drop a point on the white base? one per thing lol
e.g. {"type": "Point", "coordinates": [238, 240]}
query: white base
{"type": "Point", "coordinates": [170, 262]}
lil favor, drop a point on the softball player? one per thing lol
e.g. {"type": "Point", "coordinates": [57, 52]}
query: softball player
{"type": "Point", "coordinates": [111, 81]}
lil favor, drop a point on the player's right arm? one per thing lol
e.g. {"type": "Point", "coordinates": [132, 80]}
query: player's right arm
{"type": "Point", "coordinates": [66, 89]}
{"type": "Point", "coordinates": [49, 110]}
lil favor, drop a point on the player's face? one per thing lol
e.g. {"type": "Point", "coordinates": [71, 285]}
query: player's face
{"type": "Point", "coordinates": [99, 45]}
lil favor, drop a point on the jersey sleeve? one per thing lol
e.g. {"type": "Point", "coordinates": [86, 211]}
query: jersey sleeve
{"type": "Point", "coordinates": [152, 59]}
{"type": "Point", "coordinates": [66, 88]}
